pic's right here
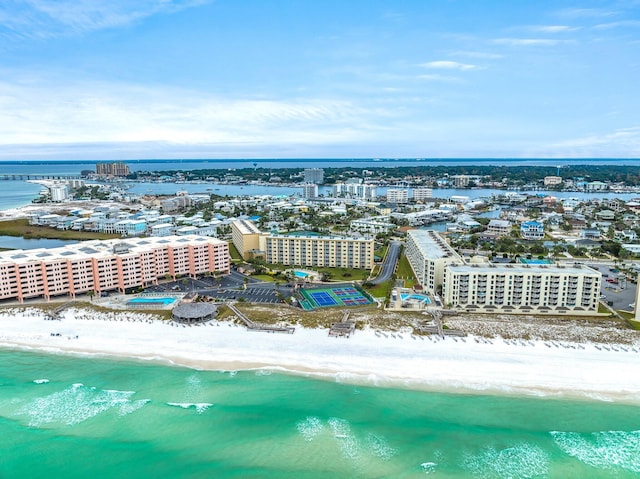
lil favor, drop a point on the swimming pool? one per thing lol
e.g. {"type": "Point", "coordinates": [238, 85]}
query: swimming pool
{"type": "Point", "coordinates": [300, 274]}
{"type": "Point", "coordinates": [143, 300]}
{"type": "Point", "coordinates": [417, 297]}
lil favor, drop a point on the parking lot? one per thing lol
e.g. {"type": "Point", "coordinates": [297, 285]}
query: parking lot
{"type": "Point", "coordinates": [622, 294]}
{"type": "Point", "coordinates": [234, 286]}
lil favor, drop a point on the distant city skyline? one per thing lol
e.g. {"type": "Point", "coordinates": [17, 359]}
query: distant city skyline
{"type": "Point", "coordinates": [167, 79]}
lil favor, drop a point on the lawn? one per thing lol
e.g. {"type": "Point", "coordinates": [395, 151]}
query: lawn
{"type": "Point", "coordinates": [405, 272]}
{"type": "Point", "coordinates": [233, 251]}
{"type": "Point", "coordinates": [264, 277]}
{"type": "Point", "coordinates": [344, 274]}
{"type": "Point", "coordinates": [21, 227]}
{"type": "Point", "coordinates": [382, 290]}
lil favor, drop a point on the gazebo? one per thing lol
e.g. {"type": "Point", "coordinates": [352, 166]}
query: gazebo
{"type": "Point", "coordinates": [194, 312]}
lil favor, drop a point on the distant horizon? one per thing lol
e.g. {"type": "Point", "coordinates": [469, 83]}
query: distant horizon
{"type": "Point", "coordinates": [337, 159]}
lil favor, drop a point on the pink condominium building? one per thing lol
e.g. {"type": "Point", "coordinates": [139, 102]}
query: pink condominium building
{"type": "Point", "coordinates": [108, 265]}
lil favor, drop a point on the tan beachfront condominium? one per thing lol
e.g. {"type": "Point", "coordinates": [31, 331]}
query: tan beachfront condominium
{"type": "Point", "coordinates": [108, 265]}
{"type": "Point", "coordinates": [303, 250]}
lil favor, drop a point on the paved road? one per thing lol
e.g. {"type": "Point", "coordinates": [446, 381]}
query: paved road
{"type": "Point", "coordinates": [390, 261]}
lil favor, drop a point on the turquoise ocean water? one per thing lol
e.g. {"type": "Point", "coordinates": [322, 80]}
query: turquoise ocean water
{"type": "Point", "coordinates": [63, 416]}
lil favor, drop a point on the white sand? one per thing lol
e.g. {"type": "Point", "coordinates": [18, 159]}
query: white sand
{"type": "Point", "coordinates": [511, 367]}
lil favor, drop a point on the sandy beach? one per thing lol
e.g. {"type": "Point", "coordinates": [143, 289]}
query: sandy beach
{"type": "Point", "coordinates": [472, 364]}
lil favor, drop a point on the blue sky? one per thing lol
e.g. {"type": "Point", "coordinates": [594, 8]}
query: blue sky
{"type": "Point", "coordinates": [124, 79]}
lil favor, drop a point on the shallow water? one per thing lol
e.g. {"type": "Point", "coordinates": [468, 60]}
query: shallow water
{"type": "Point", "coordinates": [74, 417]}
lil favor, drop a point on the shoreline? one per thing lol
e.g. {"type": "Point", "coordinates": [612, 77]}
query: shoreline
{"type": "Point", "coordinates": [577, 371]}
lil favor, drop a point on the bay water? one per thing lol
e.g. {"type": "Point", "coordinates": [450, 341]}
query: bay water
{"type": "Point", "coordinates": [69, 416]}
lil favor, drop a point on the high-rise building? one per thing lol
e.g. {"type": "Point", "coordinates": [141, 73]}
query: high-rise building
{"type": "Point", "coordinates": [112, 169]}
{"type": "Point", "coordinates": [355, 190]}
{"type": "Point", "coordinates": [309, 190]}
{"type": "Point", "coordinates": [314, 175]}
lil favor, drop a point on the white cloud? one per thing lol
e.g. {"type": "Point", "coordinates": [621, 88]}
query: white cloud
{"type": "Point", "coordinates": [553, 28]}
{"type": "Point", "coordinates": [516, 42]}
{"type": "Point", "coordinates": [587, 12]}
{"type": "Point", "coordinates": [475, 54]}
{"type": "Point", "coordinates": [46, 18]}
{"type": "Point", "coordinates": [108, 114]}
{"type": "Point", "coordinates": [440, 78]}
{"type": "Point", "coordinates": [624, 142]}
{"type": "Point", "coordinates": [620, 24]}
{"type": "Point", "coordinates": [449, 65]}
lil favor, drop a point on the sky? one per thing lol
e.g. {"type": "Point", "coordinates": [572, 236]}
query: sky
{"type": "Point", "coordinates": [122, 79]}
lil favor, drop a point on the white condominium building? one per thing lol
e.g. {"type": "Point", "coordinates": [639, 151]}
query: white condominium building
{"type": "Point", "coordinates": [330, 251]}
{"type": "Point", "coordinates": [107, 265]}
{"type": "Point", "coordinates": [428, 254]}
{"type": "Point", "coordinates": [309, 190]}
{"type": "Point", "coordinates": [421, 194]}
{"type": "Point", "coordinates": [522, 288]}
{"type": "Point", "coordinates": [355, 190]}
{"type": "Point", "coordinates": [397, 195]}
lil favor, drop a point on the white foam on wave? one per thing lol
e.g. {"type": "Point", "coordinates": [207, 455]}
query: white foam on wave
{"type": "Point", "coordinates": [348, 443]}
{"type": "Point", "coordinates": [41, 381]}
{"type": "Point", "coordinates": [78, 403]}
{"type": "Point", "coordinates": [310, 427]}
{"type": "Point", "coordinates": [379, 447]}
{"type": "Point", "coordinates": [264, 372]}
{"type": "Point", "coordinates": [200, 407]}
{"type": "Point", "coordinates": [522, 460]}
{"type": "Point", "coordinates": [428, 467]}
{"type": "Point", "coordinates": [603, 450]}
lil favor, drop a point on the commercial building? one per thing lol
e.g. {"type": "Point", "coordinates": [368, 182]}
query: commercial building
{"type": "Point", "coordinates": [428, 254]}
{"type": "Point", "coordinates": [314, 175]}
{"type": "Point", "coordinates": [522, 288]}
{"type": "Point", "coordinates": [112, 169]}
{"type": "Point", "coordinates": [107, 265]}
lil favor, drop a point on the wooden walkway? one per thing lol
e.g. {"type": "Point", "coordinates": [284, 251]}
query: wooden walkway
{"type": "Point", "coordinates": [265, 328]}
{"type": "Point", "coordinates": [438, 328]}
{"type": "Point", "coordinates": [344, 328]}
{"type": "Point", "coordinates": [54, 314]}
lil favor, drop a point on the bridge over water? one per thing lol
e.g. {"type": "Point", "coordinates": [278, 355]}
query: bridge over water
{"type": "Point", "coordinates": [25, 177]}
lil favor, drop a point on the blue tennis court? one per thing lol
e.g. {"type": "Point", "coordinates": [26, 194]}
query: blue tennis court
{"type": "Point", "coordinates": [338, 296]}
